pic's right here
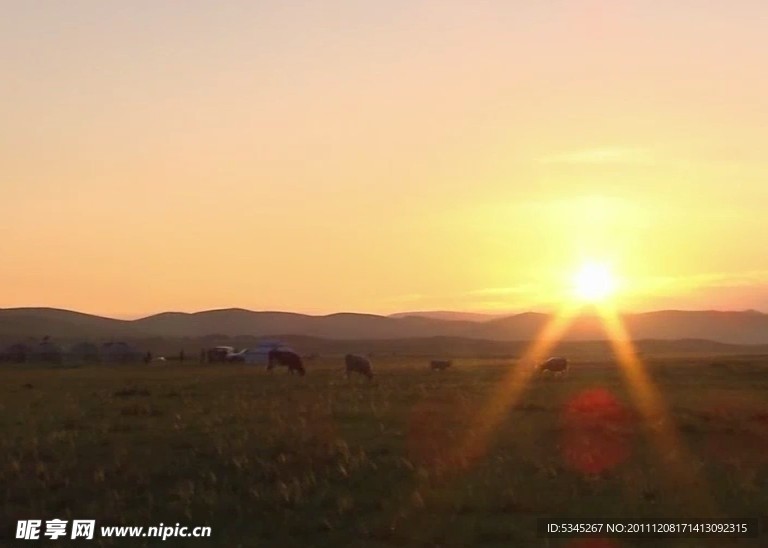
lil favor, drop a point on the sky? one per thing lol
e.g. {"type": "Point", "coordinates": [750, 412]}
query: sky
{"type": "Point", "coordinates": [381, 156]}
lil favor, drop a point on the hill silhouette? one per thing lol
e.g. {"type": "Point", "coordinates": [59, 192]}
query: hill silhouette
{"type": "Point", "coordinates": [744, 328]}
{"type": "Point", "coordinates": [449, 315]}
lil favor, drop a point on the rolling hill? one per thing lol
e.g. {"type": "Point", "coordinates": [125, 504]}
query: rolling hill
{"type": "Point", "coordinates": [747, 327]}
{"type": "Point", "coordinates": [449, 315]}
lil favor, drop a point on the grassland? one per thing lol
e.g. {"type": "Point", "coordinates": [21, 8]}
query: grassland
{"type": "Point", "coordinates": [277, 460]}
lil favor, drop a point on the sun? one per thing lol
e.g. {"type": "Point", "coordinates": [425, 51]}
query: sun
{"type": "Point", "coordinates": [594, 282]}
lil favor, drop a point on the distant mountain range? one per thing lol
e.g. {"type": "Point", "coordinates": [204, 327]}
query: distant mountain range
{"type": "Point", "coordinates": [450, 315]}
{"type": "Point", "coordinates": [748, 327]}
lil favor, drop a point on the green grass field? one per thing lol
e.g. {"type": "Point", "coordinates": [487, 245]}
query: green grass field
{"type": "Point", "coordinates": [277, 460]}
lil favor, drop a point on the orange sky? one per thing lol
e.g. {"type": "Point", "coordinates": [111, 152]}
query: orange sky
{"type": "Point", "coordinates": [381, 156]}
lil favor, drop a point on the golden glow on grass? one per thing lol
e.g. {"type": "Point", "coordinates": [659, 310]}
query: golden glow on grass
{"type": "Point", "coordinates": [511, 387]}
{"type": "Point", "coordinates": [678, 464]}
{"type": "Point", "coordinates": [594, 282]}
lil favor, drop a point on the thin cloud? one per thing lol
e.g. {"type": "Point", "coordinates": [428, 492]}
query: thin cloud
{"type": "Point", "coordinates": [723, 289]}
{"type": "Point", "coordinates": [603, 155]}
{"type": "Point", "coordinates": [708, 280]}
{"type": "Point", "coordinates": [481, 299]}
{"type": "Point", "coordinates": [408, 298]}
{"type": "Point", "coordinates": [502, 291]}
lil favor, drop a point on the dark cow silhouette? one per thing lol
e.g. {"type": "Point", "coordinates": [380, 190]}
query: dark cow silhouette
{"type": "Point", "coordinates": [555, 365]}
{"type": "Point", "coordinates": [440, 365]}
{"type": "Point", "coordinates": [358, 364]}
{"type": "Point", "coordinates": [286, 358]}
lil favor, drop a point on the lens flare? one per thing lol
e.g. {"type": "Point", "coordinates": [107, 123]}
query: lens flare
{"type": "Point", "coordinates": [597, 432]}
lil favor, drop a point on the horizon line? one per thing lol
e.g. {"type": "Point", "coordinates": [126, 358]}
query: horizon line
{"type": "Point", "coordinates": [418, 313]}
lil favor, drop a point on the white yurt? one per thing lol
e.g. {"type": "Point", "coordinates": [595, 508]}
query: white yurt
{"type": "Point", "coordinates": [260, 354]}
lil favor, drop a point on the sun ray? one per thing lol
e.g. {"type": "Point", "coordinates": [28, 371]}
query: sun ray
{"type": "Point", "coordinates": [679, 464]}
{"type": "Point", "coordinates": [511, 387]}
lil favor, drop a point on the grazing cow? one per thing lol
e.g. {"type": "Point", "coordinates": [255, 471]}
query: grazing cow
{"type": "Point", "coordinates": [439, 365]}
{"type": "Point", "coordinates": [554, 365]}
{"type": "Point", "coordinates": [289, 359]}
{"type": "Point", "coordinates": [358, 364]}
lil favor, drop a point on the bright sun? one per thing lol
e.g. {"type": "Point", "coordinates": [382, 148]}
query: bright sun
{"type": "Point", "coordinates": [594, 282]}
